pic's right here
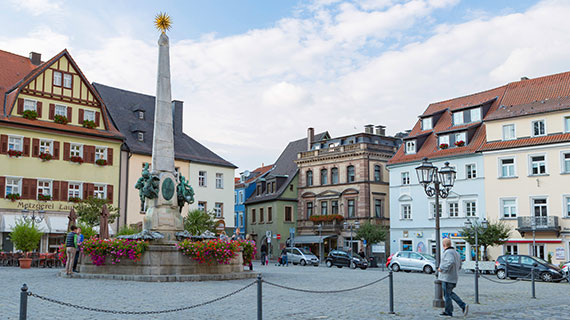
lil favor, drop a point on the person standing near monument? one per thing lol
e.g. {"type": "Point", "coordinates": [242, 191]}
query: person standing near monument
{"type": "Point", "coordinates": [448, 274]}
{"type": "Point", "coordinates": [70, 249]}
{"type": "Point", "coordinates": [80, 239]}
{"type": "Point", "coordinates": [263, 253]}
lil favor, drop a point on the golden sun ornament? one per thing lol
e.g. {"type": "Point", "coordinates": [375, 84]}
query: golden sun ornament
{"type": "Point", "coordinates": [163, 22]}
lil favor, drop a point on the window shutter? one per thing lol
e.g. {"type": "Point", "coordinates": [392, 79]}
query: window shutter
{"type": "Point", "coordinates": [109, 156]}
{"type": "Point", "coordinates": [89, 154]}
{"type": "Point", "coordinates": [2, 186]}
{"type": "Point", "coordinates": [51, 111]}
{"type": "Point", "coordinates": [85, 190]}
{"type": "Point", "coordinates": [63, 190]}
{"type": "Point", "coordinates": [66, 151]}
{"type": "Point", "coordinates": [56, 150]}
{"type": "Point", "coordinates": [39, 108]}
{"type": "Point", "coordinates": [20, 106]}
{"type": "Point", "coordinates": [69, 114]}
{"type": "Point", "coordinates": [97, 116]}
{"type": "Point", "coordinates": [56, 189]}
{"type": "Point", "coordinates": [91, 189]}
{"type": "Point", "coordinates": [26, 147]}
{"type": "Point", "coordinates": [80, 119]}
{"type": "Point", "coordinates": [35, 147]}
{"type": "Point", "coordinates": [29, 188]}
{"type": "Point", "coordinates": [110, 193]}
{"type": "Point", "coordinates": [3, 144]}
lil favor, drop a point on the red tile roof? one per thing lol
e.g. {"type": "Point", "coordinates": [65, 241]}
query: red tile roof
{"type": "Point", "coordinates": [254, 175]}
{"type": "Point", "coordinates": [13, 68]}
{"type": "Point", "coordinates": [542, 106]}
{"type": "Point", "coordinates": [537, 89]}
{"type": "Point", "coordinates": [497, 145]}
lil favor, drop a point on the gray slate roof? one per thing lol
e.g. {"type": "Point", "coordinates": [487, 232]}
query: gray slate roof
{"type": "Point", "coordinates": [284, 166]}
{"type": "Point", "coordinates": [122, 106]}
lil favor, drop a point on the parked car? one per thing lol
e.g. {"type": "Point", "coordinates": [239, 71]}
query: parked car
{"type": "Point", "coordinates": [566, 270]}
{"type": "Point", "coordinates": [342, 258]}
{"type": "Point", "coordinates": [520, 266]}
{"type": "Point", "coordinates": [411, 261]}
{"type": "Point", "coordinates": [302, 256]}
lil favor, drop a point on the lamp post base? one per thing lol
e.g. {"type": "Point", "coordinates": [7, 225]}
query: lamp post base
{"type": "Point", "coordinates": [438, 300]}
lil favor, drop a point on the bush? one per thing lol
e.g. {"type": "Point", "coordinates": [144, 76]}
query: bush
{"type": "Point", "coordinates": [210, 251]}
{"type": "Point", "coordinates": [87, 231]}
{"type": "Point", "coordinates": [26, 236]}
{"type": "Point", "coordinates": [199, 221]}
{"type": "Point", "coordinates": [116, 249]}
{"type": "Point", "coordinates": [249, 251]}
{"type": "Point", "coordinates": [127, 230]}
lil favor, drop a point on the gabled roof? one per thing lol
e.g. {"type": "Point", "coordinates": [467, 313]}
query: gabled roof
{"type": "Point", "coordinates": [536, 107]}
{"type": "Point", "coordinates": [254, 175]}
{"type": "Point", "coordinates": [285, 166]}
{"type": "Point", "coordinates": [13, 68]}
{"type": "Point", "coordinates": [122, 105]}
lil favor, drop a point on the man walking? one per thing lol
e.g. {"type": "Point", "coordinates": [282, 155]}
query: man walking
{"type": "Point", "coordinates": [70, 249]}
{"type": "Point", "coordinates": [448, 274]}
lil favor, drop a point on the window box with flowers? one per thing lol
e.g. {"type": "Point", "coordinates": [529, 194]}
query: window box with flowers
{"type": "Point", "coordinates": [90, 124]}
{"type": "Point", "coordinates": [74, 199]}
{"type": "Point", "coordinates": [324, 218]}
{"type": "Point", "coordinates": [101, 162]}
{"type": "Point", "coordinates": [443, 146]}
{"type": "Point", "coordinates": [45, 156]}
{"type": "Point", "coordinates": [60, 119]}
{"type": "Point", "coordinates": [15, 153]}
{"type": "Point", "coordinates": [76, 159]}
{"type": "Point", "coordinates": [44, 197]}
{"type": "Point", "coordinates": [13, 196]}
{"type": "Point", "coordinates": [459, 143]}
{"type": "Point", "coordinates": [30, 114]}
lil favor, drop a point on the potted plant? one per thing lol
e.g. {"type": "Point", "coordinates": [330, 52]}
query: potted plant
{"type": "Point", "coordinates": [30, 114]}
{"type": "Point", "coordinates": [26, 238]}
{"type": "Point", "coordinates": [74, 200]}
{"type": "Point", "coordinates": [13, 196]}
{"type": "Point", "coordinates": [76, 159]}
{"type": "Point", "coordinates": [60, 119]}
{"type": "Point", "coordinates": [90, 124]}
{"type": "Point", "coordinates": [443, 146]}
{"type": "Point", "coordinates": [101, 162]}
{"type": "Point", "coordinates": [459, 143]}
{"type": "Point", "coordinates": [15, 153]}
{"type": "Point", "coordinates": [45, 156]}
{"type": "Point", "coordinates": [44, 197]}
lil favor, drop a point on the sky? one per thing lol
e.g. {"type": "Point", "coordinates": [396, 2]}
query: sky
{"type": "Point", "coordinates": [255, 75]}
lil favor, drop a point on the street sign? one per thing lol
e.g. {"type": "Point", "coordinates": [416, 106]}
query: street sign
{"type": "Point", "coordinates": [278, 236]}
{"type": "Point", "coordinates": [268, 233]}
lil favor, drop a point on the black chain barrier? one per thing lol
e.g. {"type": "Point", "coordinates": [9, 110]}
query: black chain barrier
{"type": "Point", "coordinates": [138, 312]}
{"type": "Point", "coordinates": [507, 281]}
{"type": "Point", "coordinates": [324, 291]}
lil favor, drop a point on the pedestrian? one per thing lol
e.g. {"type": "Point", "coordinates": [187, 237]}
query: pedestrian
{"type": "Point", "coordinates": [284, 261]}
{"type": "Point", "coordinates": [237, 235]}
{"type": "Point", "coordinates": [248, 238]}
{"type": "Point", "coordinates": [361, 253]}
{"type": "Point", "coordinates": [224, 236]}
{"type": "Point", "coordinates": [70, 249]}
{"type": "Point", "coordinates": [79, 242]}
{"type": "Point", "coordinates": [448, 275]}
{"type": "Point", "coordinates": [263, 253]}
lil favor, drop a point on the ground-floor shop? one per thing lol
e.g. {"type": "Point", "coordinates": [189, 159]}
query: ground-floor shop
{"type": "Point", "coordinates": [554, 249]}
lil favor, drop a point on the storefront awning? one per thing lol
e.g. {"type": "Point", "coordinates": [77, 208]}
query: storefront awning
{"type": "Point", "coordinates": [58, 224]}
{"type": "Point", "coordinates": [310, 239]}
{"type": "Point", "coordinates": [9, 222]}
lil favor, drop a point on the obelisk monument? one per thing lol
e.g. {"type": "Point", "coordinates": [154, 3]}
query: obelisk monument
{"type": "Point", "coordinates": [162, 213]}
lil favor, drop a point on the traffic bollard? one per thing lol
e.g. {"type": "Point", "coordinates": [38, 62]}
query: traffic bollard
{"type": "Point", "coordinates": [391, 285]}
{"type": "Point", "coordinates": [532, 280]}
{"type": "Point", "coordinates": [259, 309]}
{"type": "Point", "coordinates": [24, 302]}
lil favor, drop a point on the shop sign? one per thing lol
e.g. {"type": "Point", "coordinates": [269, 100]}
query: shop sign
{"type": "Point", "coordinates": [560, 253]}
{"type": "Point", "coordinates": [46, 206]}
{"type": "Point", "coordinates": [378, 248]}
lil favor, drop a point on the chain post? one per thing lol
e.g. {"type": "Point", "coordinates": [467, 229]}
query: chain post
{"type": "Point", "coordinates": [532, 280]}
{"type": "Point", "coordinates": [259, 298]}
{"type": "Point", "coordinates": [24, 302]}
{"type": "Point", "coordinates": [391, 285]}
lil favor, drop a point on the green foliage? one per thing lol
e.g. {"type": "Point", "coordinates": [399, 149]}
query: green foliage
{"type": "Point", "coordinates": [198, 221]}
{"type": "Point", "coordinates": [60, 119]}
{"type": "Point", "coordinates": [549, 258]}
{"type": "Point", "coordinates": [26, 236]}
{"type": "Point", "coordinates": [495, 234]}
{"type": "Point", "coordinates": [30, 114]}
{"type": "Point", "coordinates": [372, 233]}
{"type": "Point", "coordinates": [127, 230]}
{"type": "Point", "coordinates": [90, 124]}
{"type": "Point", "coordinates": [87, 231]}
{"type": "Point", "coordinates": [89, 211]}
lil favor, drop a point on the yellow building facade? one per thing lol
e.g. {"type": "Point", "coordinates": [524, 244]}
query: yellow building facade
{"type": "Point", "coordinates": [57, 144]}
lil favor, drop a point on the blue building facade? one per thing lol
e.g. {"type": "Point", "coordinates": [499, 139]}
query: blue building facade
{"type": "Point", "coordinates": [244, 188]}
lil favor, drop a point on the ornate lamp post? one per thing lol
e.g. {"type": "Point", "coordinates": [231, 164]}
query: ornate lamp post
{"type": "Point", "coordinates": [320, 227]}
{"type": "Point", "coordinates": [476, 226]}
{"type": "Point", "coordinates": [438, 183]}
{"type": "Point", "coordinates": [33, 217]}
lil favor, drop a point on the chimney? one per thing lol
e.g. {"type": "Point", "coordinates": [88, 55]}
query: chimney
{"type": "Point", "coordinates": [36, 58]}
{"type": "Point", "coordinates": [177, 116]}
{"type": "Point", "coordinates": [310, 137]}
{"type": "Point", "coordinates": [368, 128]}
{"type": "Point", "coordinates": [381, 130]}
{"type": "Point", "coordinates": [524, 78]}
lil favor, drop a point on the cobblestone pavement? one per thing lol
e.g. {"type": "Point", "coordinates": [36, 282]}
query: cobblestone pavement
{"type": "Point", "coordinates": [413, 296]}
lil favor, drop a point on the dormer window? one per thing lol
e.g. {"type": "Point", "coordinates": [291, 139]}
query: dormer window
{"type": "Point", "coordinates": [427, 124]}
{"type": "Point", "coordinates": [411, 146]}
{"type": "Point", "coordinates": [466, 116]}
{"type": "Point", "coordinates": [538, 128]}
{"type": "Point", "coordinates": [460, 139]}
{"type": "Point", "coordinates": [444, 142]}
{"type": "Point", "coordinates": [458, 118]}
{"type": "Point", "coordinates": [141, 115]}
{"type": "Point", "coordinates": [140, 136]}
{"type": "Point", "coordinates": [475, 114]}
{"type": "Point", "coordinates": [29, 105]}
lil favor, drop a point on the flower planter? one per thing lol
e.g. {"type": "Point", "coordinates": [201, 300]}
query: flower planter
{"type": "Point", "coordinates": [89, 124]}
{"type": "Point", "coordinates": [443, 146]}
{"type": "Point", "coordinates": [76, 159]}
{"type": "Point", "coordinates": [60, 119]}
{"type": "Point", "coordinates": [101, 162]}
{"type": "Point", "coordinates": [25, 263]}
{"type": "Point", "coordinates": [45, 156]}
{"type": "Point", "coordinates": [15, 153]}
{"type": "Point", "coordinates": [13, 196]}
{"type": "Point", "coordinates": [459, 143]}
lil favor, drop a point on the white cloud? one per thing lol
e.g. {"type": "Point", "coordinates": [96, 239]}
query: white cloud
{"type": "Point", "coordinates": [38, 7]}
{"type": "Point", "coordinates": [41, 40]}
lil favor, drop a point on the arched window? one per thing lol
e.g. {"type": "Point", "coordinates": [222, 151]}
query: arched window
{"type": "Point", "coordinates": [309, 178]}
{"type": "Point", "coordinates": [324, 176]}
{"type": "Point", "coordinates": [350, 174]}
{"type": "Point", "coordinates": [377, 173]}
{"type": "Point", "coordinates": [334, 175]}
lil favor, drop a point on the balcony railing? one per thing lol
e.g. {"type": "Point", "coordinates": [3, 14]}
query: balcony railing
{"type": "Point", "coordinates": [345, 148]}
{"type": "Point", "coordinates": [541, 224]}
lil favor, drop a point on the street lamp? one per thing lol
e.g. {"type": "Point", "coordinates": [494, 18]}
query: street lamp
{"type": "Point", "coordinates": [33, 217]}
{"type": "Point", "coordinates": [533, 226]}
{"type": "Point", "coordinates": [436, 183]}
{"type": "Point", "coordinates": [476, 226]}
{"type": "Point", "coordinates": [356, 225]}
{"type": "Point", "coordinates": [320, 227]}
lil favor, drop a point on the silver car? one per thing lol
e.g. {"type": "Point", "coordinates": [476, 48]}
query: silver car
{"type": "Point", "coordinates": [412, 261]}
{"type": "Point", "coordinates": [301, 256]}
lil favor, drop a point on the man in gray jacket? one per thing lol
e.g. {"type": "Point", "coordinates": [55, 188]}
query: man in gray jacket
{"type": "Point", "coordinates": [448, 274]}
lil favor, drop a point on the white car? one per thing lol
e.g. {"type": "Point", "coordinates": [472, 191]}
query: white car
{"type": "Point", "coordinates": [301, 256]}
{"type": "Point", "coordinates": [566, 270]}
{"type": "Point", "coordinates": [411, 261]}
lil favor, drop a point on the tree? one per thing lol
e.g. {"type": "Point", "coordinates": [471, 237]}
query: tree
{"type": "Point", "coordinates": [89, 211]}
{"type": "Point", "coordinates": [495, 234]}
{"type": "Point", "coordinates": [372, 233]}
{"type": "Point", "coordinates": [199, 221]}
{"type": "Point", "coordinates": [26, 236]}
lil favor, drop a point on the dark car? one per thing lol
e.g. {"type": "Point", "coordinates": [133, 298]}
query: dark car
{"type": "Point", "coordinates": [520, 266]}
{"type": "Point", "coordinates": [342, 258]}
